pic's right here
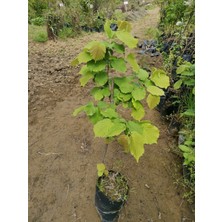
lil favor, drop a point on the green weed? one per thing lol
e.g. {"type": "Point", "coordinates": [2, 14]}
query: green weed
{"type": "Point", "coordinates": [37, 33]}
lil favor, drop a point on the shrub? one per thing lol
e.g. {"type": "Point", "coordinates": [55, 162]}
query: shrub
{"type": "Point", "coordinates": [38, 21]}
{"type": "Point", "coordinates": [66, 33]}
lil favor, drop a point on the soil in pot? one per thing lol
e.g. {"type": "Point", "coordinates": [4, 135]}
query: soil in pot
{"type": "Point", "coordinates": [111, 195]}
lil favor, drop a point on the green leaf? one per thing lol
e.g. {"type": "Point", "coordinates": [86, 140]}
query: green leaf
{"type": "Point", "coordinates": [75, 62]}
{"type": "Point", "coordinates": [139, 93]}
{"type": "Point", "coordinates": [153, 101]}
{"type": "Point", "coordinates": [135, 126]}
{"type": "Point", "coordinates": [116, 129]}
{"type": "Point", "coordinates": [154, 90]}
{"type": "Point", "coordinates": [124, 26]}
{"type": "Point", "coordinates": [96, 117]}
{"type": "Point", "coordinates": [185, 149]}
{"type": "Point", "coordinates": [148, 83]}
{"type": "Point", "coordinates": [132, 61]}
{"type": "Point", "coordinates": [177, 84]}
{"type": "Point", "coordinates": [90, 109]}
{"type": "Point", "coordinates": [101, 78]}
{"type": "Point", "coordinates": [97, 93]}
{"type": "Point", "coordinates": [97, 50]}
{"type": "Point", "coordinates": [107, 128]}
{"type": "Point", "coordinates": [127, 38]}
{"type": "Point", "coordinates": [189, 157]}
{"type": "Point", "coordinates": [189, 82]}
{"type": "Point", "coordinates": [142, 74]}
{"type": "Point", "coordinates": [105, 92]}
{"type": "Point", "coordinates": [181, 69]}
{"type": "Point", "coordinates": [110, 113]}
{"type": "Point", "coordinates": [108, 30]}
{"type": "Point", "coordinates": [96, 66]}
{"type": "Point", "coordinates": [189, 112]}
{"type": "Point", "coordinates": [123, 140]}
{"type": "Point", "coordinates": [124, 84]}
{"type": "Point", "coordinates": [118, 64]}
{"type": "Point", "coordinates": [84, 57]}
{"type": "Point", "coordinates": [100, 169]}
{"type": "Point", "coordinates": [138, 112]}
{"type": "Point", "coordinates": [160, 78]}
{"type": "Point", "coordinates": [150, 133]}
{"type": "Point", "coordinates": [85, 78]}
{"type": "Point", "coordinates": [84, 70]}
{"type": "Point", "coordinates": [117, 47]}
{"type": "Point", "coordinates": [78, 110]}
{"type": "Point", "coordinates": [136, 145]}
{"type": "Point", "coordinates": [101, 128]}
{"type": "Point", "coordinates": [123, 97]}
{"type": "Point", "coordinates": [102, 105]}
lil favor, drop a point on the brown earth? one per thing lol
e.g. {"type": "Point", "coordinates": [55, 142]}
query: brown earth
{"type": "Point", "coordinates": [63, 152]}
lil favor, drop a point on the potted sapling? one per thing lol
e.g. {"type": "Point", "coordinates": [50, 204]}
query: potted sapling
{"type": "Point", "coordinates": [118, 80]}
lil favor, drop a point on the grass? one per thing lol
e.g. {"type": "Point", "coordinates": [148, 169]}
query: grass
{"type": "Point", "coordinates": [37, 33]}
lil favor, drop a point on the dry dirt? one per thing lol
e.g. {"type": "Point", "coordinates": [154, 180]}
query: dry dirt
{"type": "Point", "coordinates": [63, 152]}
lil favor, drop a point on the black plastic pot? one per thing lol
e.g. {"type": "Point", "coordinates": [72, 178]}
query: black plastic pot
{"type": "Point", "coordinates": [107, 209]}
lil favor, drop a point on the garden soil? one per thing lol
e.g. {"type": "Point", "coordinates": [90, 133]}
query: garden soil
{"type": "Point", "coordinates": [63, 152]}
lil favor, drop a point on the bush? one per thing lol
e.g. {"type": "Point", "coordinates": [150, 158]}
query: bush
{"type": "Point", "coordinates": [41, 37]}
{"type": "Point", "coordinates": [38, 21]}
{"type": "Point", "coordinates": [66, 32]}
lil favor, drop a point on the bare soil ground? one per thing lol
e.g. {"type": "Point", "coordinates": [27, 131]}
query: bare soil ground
{"type": "Point", "coordinates": [63, 152]}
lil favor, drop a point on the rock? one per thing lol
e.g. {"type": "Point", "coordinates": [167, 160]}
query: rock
{"type": "Point", "coordinates": [114, 27]}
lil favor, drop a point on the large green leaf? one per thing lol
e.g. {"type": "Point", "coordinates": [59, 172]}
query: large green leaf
{"type": "Point", "coordinates": [153, 101]}
{"type": "Point", "coordinates": [142, 74]}
{"type": "Point", "coordinates": [97, 50]}
{"type": "Point", "coordinates": [118, 64]}
{"type": "Point", "coordinates": [110, 113]}
{"type": "Point", "coordinates": [160, 78]}
{"type": "Point", "coordinates": [139, 93]}
{"type": "Point", "coordinates": [154, 90]}
{"type": "Point", "coordinates": [135, 126]}
{"type": "Point", "coordinates": [101, 78]}
{"type": "Point", "coordinates": [150, 133]}
{"type": "Point", "coordinates": [117, 129]}
{"type": "Point", "coordinates": [132, 61]}
{"type": "Point", "coordinates": [108, 30]}
{"type": "Point", "coordinates": [127, 38]}
{"type": "Point", "coordinates": [85, 78]}
{"type": "Point", "coordinates": [124, 84]}
{"type": "Point", "coordinates": [136, 143]}
{"type": "Point", "coordinates": [96, 66]}
{"type": "Point", "coordinates": [101, 128]}
{"type": "Point", "coordinates": [107, 128]}
{"type": "Point", "coordinates": [84, 57]}
{"type": "Point", "coordinates": [124, 26]}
